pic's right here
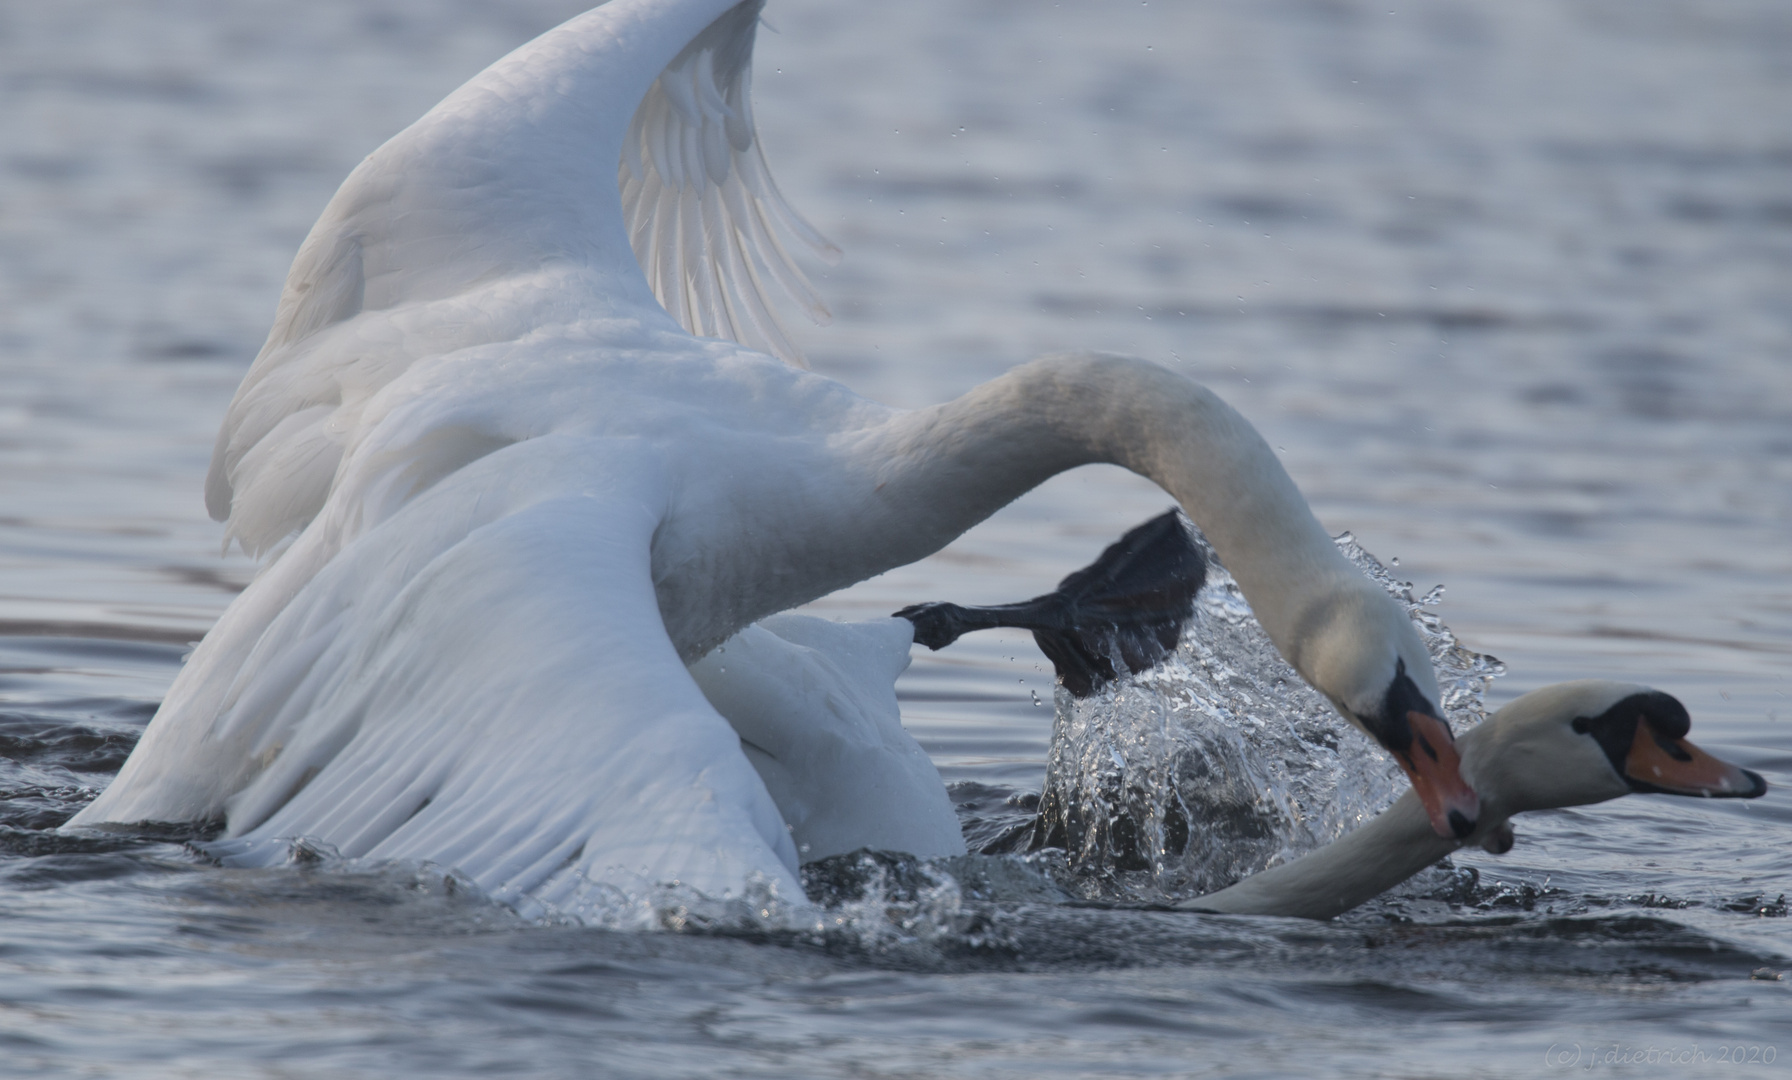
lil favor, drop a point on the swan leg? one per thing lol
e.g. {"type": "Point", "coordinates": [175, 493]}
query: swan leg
{"type": "Point", "coordinates": [1122, 613]}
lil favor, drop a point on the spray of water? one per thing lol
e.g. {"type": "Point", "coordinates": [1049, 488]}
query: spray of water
{"type": "Point", "coordinates": [1221, 761]}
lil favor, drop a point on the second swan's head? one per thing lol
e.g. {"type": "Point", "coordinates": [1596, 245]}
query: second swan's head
{"type": "Point", "coordinates": [1592, 740]}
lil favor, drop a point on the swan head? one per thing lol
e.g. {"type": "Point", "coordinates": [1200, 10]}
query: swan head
{"type": "Point", "coordinates": [1363, 653]}
{"type": "Point", "coordinates": [1588, 741]}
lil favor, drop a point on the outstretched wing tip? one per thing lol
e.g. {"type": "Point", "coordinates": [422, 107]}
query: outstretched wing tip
{"type": "Point", "coordinates": [704, 216]}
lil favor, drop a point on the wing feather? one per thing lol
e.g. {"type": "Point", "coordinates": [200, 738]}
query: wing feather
{"type": "Point", "coordinates": [693, 138]}
{"type": "Point", "coordinates": [503, 700]}
{"type": "Point", "coordinates": [698, 206]}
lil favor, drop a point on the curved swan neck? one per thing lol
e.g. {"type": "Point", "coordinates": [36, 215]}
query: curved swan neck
{"type": "Point", "coordinates": [961, 461]}
{"type": "Point", "coordinates": [1349, 871]}
{"type": "Point", "coordinates": [908, 484]}
{"type": "Point", "coordinates": [1527, 756]}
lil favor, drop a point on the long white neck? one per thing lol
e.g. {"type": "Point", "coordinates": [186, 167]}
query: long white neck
{"type": "Point", "coordinates": [939, 471]}
{"type": "Point", "coordinates": [1349, 871]}
{"type": "Point", "coordinates": [1524, 757]}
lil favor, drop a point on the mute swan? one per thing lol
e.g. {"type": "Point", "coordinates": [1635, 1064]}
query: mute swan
{"type": "Point", "coordinates": [1564, 745]}
{"type": "Point", "coordinates": [509, 500]}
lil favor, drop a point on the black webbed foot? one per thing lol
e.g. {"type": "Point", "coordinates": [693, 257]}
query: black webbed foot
{"type": "Point", "coordinates": [1125, 611]}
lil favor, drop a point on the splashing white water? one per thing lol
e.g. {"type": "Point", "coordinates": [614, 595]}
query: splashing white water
{"type": "Point", "coordinates": [1221, 761]}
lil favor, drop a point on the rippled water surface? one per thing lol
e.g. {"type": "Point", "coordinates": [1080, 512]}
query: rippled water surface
{"type": "Point", "coordinates": [1509, 287]}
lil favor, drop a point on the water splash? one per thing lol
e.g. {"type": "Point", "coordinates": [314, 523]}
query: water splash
{"type": "Point", "coordinates": [1222, 761]}
{"type": "Point", "coordinates": [886, 907]}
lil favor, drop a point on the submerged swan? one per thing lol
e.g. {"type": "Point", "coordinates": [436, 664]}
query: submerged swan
{"type": "Point", "coordinates": [1564, 745]}
{"type": "Point", "coordinates": [513, 505]}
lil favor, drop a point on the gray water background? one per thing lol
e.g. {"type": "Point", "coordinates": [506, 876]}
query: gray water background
{"type": "Point", "coordinates": [1506, 285]}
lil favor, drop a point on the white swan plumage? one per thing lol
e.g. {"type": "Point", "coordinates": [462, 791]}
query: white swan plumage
{"type": "Point", "coordinates": [1569, 744]}
{"type": "Point", "coordinates": [510, 505]}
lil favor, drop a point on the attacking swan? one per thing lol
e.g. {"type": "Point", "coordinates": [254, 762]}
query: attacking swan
{"type": "Point", "coordinates": [513, 506]}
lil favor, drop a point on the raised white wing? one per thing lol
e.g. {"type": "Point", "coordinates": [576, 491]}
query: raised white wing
{"type": "Point", "coordinates": [702, 210]}
{"type": "Point", "coordinates": [500, 213]}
